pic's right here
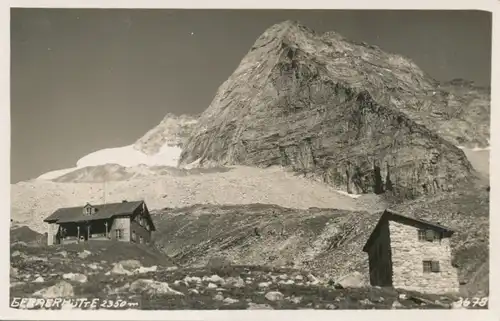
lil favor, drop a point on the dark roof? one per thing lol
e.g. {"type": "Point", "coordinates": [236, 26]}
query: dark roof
{"type": "Point", "coordinates": [103, 211]}
{"type": "Point", "coordinates": [393, 216]}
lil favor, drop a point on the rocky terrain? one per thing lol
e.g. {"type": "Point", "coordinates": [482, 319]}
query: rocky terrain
{"type": "Point", "coordinates": [140, 276]}
{"type": "Point", "coordinates": [325, 241]}
{"type": "Point", "coordinates": [33, 201]}
{"type": "Point", "coordinates": [278, 185]}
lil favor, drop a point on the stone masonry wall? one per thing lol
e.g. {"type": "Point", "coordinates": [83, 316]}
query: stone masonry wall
{"type": "Point", "coordinates": [51, 233]}
{"type": "Point", "coordinates": [124, 224]}
{"type": "Point", "coordinates": [407, 256]}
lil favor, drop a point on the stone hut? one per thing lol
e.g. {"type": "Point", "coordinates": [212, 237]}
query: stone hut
{"type": "Point", "coordinates": [411, 254]}
{"type": "Point", "coordinates": [124, 221]}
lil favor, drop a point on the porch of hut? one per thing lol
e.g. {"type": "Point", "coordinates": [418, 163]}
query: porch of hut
{"type": "Point", "coordinates": [83, 231]}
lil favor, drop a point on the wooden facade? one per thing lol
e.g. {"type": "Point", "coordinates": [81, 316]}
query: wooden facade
{"type": "Point", "coordinates": [126, 222]}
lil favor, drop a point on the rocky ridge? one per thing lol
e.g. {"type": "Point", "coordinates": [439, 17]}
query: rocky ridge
{"type": "Point", "coordinates": [173, 130]}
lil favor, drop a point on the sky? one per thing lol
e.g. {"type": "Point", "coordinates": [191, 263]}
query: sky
{"type": "Point", "coordinates": [88, 79]}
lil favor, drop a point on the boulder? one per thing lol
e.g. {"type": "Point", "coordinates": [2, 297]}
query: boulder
{"type": "Point", "coordinates": [153, 287]}
{"type": "Point", "coordinates": [214, 279]}
{"type": "Point", "coordinates": [39, 280]}
{"type": "Point", "coordinates": [14, 272]}
{"type": "Point", "coordinates": [274, 296]}
{"type": "Point", "coordinates": [130, 264]}
{"type": "Point", "coordinates": [77, 277]}
{"type": "Point", "coordinates": [352, 280]}
{"type": "Point", "coordinates": [65, 254]}
{"type": "Point", "coordinates": [84, 254]}
{"type": "Point", "coordinates": [192, 279]}
{"type": "Point", "coordinates": [237, 282]}
{"type": "Point", "coordinates": [61, 289]}
{"type": "Point", "coordinates": [259, 306]}
{"type": "Point", "coordinates": [119, 269]}
{"type": "Point", "coordinates": [146, 269]}
{"type": "Point", "coordinates": [230, 300]}
{"type": "Point", "coordinates": [15, 254]}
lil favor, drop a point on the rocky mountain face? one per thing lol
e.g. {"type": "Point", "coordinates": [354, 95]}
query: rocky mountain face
{"type": "Point", "coordinates": [173, 130]}
{"type": "Point", "coordinates": [347, 114]}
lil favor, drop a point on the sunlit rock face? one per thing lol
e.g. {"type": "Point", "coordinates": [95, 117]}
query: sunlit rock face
{"type": "Point", "coordinates": [347, 114]}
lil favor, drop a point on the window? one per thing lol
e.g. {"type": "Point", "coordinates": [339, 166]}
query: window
{"type": "Point", "coordinates": [119, 234]}
{"type": "Point", "coordinates": [133, 236]}
{"type": "Point", "coordinates": [429, 235]}
{"type": "Point", "coordinates": [421, 235]}
{"type": "Point", "coordinates": [431, 266]}
{"type": "Point", "coordinates": [141, 240]}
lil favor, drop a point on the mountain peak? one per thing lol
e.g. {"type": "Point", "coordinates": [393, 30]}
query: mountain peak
{"type": "Point", "coordinates": [280, 32]}
{"type": "Point", "coordinates": [340, 111]}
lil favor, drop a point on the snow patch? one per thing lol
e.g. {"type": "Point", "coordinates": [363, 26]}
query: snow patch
{"type": "Point", "coordinates": [126, 156]}
{"type": "Point", "coordinates": [56, 173]}
{"type": "Point", "coordinates": [347, 194]}
{"type": "Point", "coordinates": [192, 165]}
{"type": "Point", "coordinates": [476, 149]}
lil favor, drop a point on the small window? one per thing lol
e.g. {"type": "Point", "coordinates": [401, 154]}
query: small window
{"type": "Point", "coordinates": [429, 235]}
{"type": "Point", "coordinates": [421, 235]}
{"type": "Point", "coordinates": [431, 266]}
{"type": "Point", "coordinates": [119, 234]}
{"type": "Point", "coordinates": [133, 236]}
{"type": "Point", "coordinates": [435, 266]}
{"type": "Point", "coordinates": [427, 266]}
{"type": "Point", "coordinates": [141, 240]}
